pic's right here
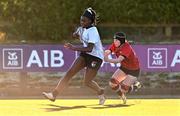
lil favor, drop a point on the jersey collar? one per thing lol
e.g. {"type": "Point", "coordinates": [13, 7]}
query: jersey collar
{"type": "Point", "coordinates": [89, 26]}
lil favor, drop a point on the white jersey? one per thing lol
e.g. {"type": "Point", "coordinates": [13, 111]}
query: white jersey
{"type": "Point", "coordinates": [91, 35]}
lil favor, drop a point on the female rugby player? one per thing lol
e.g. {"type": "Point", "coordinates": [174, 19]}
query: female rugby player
{"type": "Point", "coordinates": [90, 58]}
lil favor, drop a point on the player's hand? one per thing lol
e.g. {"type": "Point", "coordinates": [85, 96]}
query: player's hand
{"type": "Point", "coordinates": [69, 46]}
{"type": "Point", "coordinates": [75, 35]}
{"type": "Point", "coordinates": [106, 59]}
{"type": "Point", "coordinates": [106, 54]}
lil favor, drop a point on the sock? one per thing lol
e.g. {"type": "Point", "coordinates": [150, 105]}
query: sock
{"type": "Point", "coordinates": [101, 92]}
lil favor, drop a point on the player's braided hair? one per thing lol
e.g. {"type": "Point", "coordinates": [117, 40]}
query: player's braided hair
{"type": "Point", "coordinates": [91, 14]}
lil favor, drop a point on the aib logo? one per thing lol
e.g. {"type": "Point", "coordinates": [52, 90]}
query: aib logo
{"type": "Point", "coordinates": [157, 57]}
{"type": "Point", "coordinates": [12, 59]}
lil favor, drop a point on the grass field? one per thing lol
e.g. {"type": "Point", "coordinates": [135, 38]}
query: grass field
{"type": "Point", "coordinates": [89, 107]}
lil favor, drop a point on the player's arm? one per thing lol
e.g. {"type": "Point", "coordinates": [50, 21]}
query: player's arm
{"type": "Point", "coordinates": [89, 48]}
{"type": "Point", "coordinates": [76, 34]}
{"type": "Point", "coordinates": [114, 60]}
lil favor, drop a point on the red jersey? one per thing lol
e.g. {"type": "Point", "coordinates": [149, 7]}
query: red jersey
{"type": "Point", "coordinates": [131, 61]}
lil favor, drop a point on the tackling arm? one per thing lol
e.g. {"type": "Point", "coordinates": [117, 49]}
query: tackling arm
{"type": "Point", "coordinates": [114, 60]}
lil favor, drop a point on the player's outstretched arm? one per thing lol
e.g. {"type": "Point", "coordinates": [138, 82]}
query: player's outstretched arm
{"type": "Point", "coordinates": [114, 60]}
{"type": "Point", "coordinates": [79, 48]}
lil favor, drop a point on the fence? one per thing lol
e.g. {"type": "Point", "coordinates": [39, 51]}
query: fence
{"type": "Point", "coordinates": [143, 33]}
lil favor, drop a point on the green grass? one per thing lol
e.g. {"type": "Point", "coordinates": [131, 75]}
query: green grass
{"type": "Point", "coordinates": [89, 107]}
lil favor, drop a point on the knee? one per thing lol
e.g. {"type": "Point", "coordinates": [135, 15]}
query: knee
{"type": "Point", "coordinates": [125, 88]}
{"type": "Point", "coordinates": [130, 80]}
{"type": "Point", "coordinates": [132, 77]}
{"type": "Point", "coordinates": [114, 84]}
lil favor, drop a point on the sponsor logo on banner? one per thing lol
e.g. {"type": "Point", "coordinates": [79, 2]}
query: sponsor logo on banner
{"type": "Point", "coordinates": [56, 59]}
{"type": "Point", "coordinates": [12, 58]}
{"type": "Point", "coordinates": [157, 57]}
{"type": "Point", "coordinates": [176, 59]}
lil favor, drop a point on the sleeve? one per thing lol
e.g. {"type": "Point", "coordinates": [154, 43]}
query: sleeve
{"type": "Point", "coordinates": [111, 48]}
{"type": "Point", "coordinates": [79, 31]}
{"type": "Point", "coordinates": [93, 36]}
{"type": "Point", "coordinates": [126, 51]}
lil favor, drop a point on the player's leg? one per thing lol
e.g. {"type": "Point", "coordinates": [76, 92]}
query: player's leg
{"type": "Point", "coordinates": [116, 79]}
{"type": "Point", "coordinates": [128, 83]}
{"type": "Point", "coordinates": [89, 82]}
{"type": "Point", "coordinates": [115, 85]}
{"type": "Point", "coordinates": [93, 65]}
{"type": "Point", "coordinates": [137, 85]}
{"type": "Point", "coordinates": [78, 64]}
{"type": "Point", "coordinates": [133, 77]}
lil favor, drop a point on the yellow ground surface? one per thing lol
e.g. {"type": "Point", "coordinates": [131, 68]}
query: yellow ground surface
{"type": "Point", "coordinates": [89, 107]}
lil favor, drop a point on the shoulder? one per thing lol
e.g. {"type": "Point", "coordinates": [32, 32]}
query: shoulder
{"type": "Point", "coordinates": [111, 47]}
{"type": "Point", "coordinates": [126, 45]}
{"type": "Point", "coordinates": [93, 33]}
{"type": "Point", "coordinates": [92, 29]}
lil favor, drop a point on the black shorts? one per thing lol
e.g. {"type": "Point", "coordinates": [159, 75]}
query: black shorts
{"type": "Point", "coordinates": [131, 72]}
{"type": "Point", "coordinates": [91, 61]}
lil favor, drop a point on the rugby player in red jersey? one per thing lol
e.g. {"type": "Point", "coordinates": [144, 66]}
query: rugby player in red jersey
{"type": "Point", "coordinates": [124, 79]}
